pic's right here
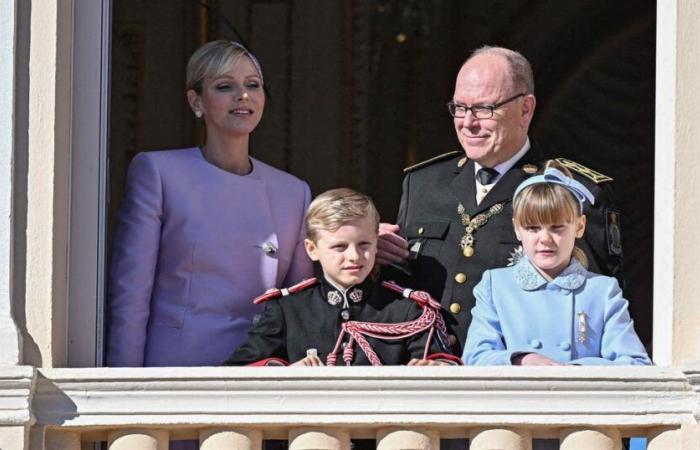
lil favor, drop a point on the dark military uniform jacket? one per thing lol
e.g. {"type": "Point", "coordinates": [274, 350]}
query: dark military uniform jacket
{"type": "Point", "coordinates": [312, 318]}
{"type": "Point", "coordinates": [429, 220]}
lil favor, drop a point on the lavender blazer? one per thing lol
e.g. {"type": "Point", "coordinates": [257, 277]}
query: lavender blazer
{"type": "Point", "coordinates": [189, 255]}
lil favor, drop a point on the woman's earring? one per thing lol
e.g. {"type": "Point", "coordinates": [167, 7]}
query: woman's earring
{"type": "Point", "coordinates": [198, 114]}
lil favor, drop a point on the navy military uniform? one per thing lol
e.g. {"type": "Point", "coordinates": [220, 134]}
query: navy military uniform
{"type": "Point", "coordinates": [311, 315]}
{"type": "Point", "coordinates": [430, 221]}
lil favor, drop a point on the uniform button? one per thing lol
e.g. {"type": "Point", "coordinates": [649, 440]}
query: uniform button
{"type": "Point", "coordinates": [421, 230]}
{"type": "Point", "coordinates": [535, 343]}
{"type": "Point", "coordinates": [345, 314]}
{"type": "Point", "coordinates": [455, 308]}
{"type": "Point", "coordinates": [343, 345]}
{"type": "Point", "coordinates": [452, 339]}
{"type": "Point", "coordinates": [564, 345]}
{"type": "Point", "coordinates": [460, 278]}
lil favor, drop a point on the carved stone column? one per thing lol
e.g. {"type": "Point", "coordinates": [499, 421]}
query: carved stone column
{"type": "Point", "coordinates": [397, 439]}
{"type": "Point", "coordinates": [664, 439]}
{"type": "Point", "coordinates": [599, 439]}
{"type": "Point", "coordinates": [319, 439]}
{"type": "Point", "coordinates": [221, 438]}
{"type": "Point", "coordinates": [131, 439]}
{"type": "Point", "coordinates": [500, 438]}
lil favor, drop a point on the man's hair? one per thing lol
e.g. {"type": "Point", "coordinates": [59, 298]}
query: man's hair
{"type": "Point", "coordinates": [337, 207]}
{"type": "Point", "coordinates": [520, 68]}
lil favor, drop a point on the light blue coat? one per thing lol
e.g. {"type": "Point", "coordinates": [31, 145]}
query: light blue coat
{"type": "Point", "coordinates": [518, 311]}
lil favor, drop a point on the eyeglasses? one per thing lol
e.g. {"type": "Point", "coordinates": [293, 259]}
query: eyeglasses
{"type": "Point", "coordinates": [478, 111]}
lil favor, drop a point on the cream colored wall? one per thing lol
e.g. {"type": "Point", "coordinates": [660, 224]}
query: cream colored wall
{"type": "Point", "coordinates": [10, 346]}
{"type": "Point", "coordinates": [677, 184]}
{"type": "Point", "coordinates": [48, 181]}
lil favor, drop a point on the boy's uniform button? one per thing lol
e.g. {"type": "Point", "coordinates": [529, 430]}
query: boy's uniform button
{"type": "Point", "coordinates": [452, 339]}
{"type": "Point", "coordinates": [564, 345]}
{"type": "Point", "coordinates": [460, 278]}
{"type": "Point", "coordinates": [455, 308]}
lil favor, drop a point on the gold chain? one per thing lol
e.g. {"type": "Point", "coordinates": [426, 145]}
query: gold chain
{"type": "Point", "coordinates": [471, 224]}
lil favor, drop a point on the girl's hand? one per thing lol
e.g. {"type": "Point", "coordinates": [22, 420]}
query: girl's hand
{"type": "Point", "coordinates": [309, 361]}
{"type": "Point", "coordinates": [534, 359]}
{"type": "Point", "coordinates": [426, 362]}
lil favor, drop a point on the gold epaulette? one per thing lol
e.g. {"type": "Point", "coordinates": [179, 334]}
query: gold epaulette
{"type": "Point", "coordinates": [433, 160]}
{"type": "Point", "coordinates": [580, 169]}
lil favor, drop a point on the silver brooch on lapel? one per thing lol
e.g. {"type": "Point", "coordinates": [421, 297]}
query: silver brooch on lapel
{"type": "Point", "coordinates": [269, 248]}
{"type": "Point", "coordinates": [515, 256]}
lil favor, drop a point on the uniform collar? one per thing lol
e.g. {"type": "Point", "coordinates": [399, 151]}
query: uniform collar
{"type": "Point", "coordinates": [528, 278]}
{"type": "Point", "coordinates": [337, 296]}
{"type": "Point", "coordinates": [506, 165]}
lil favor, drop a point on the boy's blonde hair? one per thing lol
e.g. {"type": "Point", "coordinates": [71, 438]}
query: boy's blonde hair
{"type": "Point", "coordinates": [337, 207]}
{"type": "Point", "coordinates": [547, 203]}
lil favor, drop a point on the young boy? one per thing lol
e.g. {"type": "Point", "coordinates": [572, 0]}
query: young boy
{"type": "Point", "coordinates": [345, 317]}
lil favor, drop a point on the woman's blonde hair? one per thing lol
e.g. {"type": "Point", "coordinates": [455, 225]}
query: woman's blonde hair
{"type": "Point", "coordinates": [547, 203]}
{"type": "Point", "coordinates": [337, 207]}
{"type": "Point", "coordinates": [213, 59]}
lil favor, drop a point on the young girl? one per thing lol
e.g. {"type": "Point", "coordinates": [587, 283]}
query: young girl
{"type": "Point", "coordinates": [547, 309]}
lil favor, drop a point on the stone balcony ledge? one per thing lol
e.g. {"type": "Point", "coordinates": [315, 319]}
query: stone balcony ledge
{"type": "Point", "coordinates": [366, 396]}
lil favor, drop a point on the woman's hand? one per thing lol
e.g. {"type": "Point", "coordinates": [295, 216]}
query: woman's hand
{"type": "Point", "coordinates": [533, 359]}
{"type": "Point", "coordinates": [426, 362]}
{"type": "Point", "coordinates": [309, 361]}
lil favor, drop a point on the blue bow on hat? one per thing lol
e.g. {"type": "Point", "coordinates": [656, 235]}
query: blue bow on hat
{"type": "Point", "coordinates": [555, 176]}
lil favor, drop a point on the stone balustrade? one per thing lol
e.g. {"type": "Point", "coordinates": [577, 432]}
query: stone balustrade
{"type": "Point", "coordinates": [324, 408]}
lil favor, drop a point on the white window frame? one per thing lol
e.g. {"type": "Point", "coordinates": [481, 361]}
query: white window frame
{"type": "Point", "coordinates": [89, 172]}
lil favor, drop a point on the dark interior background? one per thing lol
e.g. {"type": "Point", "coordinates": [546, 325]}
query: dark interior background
{"type": "Point", "coordinates": [358, 90]}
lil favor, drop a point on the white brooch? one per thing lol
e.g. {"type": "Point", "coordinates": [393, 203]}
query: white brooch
{"type": "Point", "coordinates": [334, 297]}
{"type": "Point", "coordinates": [269, 248]}
{"type": "Point", "coordinates": [515, 256]}
{"type": "Point", "coordinates": [356, 296]}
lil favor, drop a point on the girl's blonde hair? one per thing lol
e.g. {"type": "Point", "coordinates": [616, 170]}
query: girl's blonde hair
{"type": "Point", "coordinates": [337, 207]}
{"type": "Point", "coordinates": [213, 59]}
{"type": "Point", "coordinates": [547, 203]}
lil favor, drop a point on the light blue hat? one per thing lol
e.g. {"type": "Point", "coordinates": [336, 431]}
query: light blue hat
{"type": "Point", "coordinates": [555, 176]}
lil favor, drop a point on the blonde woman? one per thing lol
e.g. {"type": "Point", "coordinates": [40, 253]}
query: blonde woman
{"type": "Point", "coordinates": [203, 230]}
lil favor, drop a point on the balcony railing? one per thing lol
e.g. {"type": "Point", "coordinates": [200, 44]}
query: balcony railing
{"type": "Point", "coordinates": [324, 408]}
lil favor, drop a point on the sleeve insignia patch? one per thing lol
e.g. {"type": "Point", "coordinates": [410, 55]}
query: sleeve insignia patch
{"type": "Point", "coordinates": [580, 169]}
{"type": "Point", "coordinates": [612, 232]}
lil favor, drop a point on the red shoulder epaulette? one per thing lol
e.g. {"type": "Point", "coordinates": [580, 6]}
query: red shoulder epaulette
{"type": "Point", "coordinates": [274, 293]}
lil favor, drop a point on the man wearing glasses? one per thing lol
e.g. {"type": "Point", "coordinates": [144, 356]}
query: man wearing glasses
{"type": "Point", "coordinates": [455, 215]}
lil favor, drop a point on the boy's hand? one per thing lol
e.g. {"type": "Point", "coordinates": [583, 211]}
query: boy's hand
{"type": "Point", "coordinates": [309, 361]}
{"type": "Point", "coordinates": [426, 362]}
{"type": "Point", "coordinates": [534, 359]}
{"type": "Point", "coordinates": [391, 248]}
